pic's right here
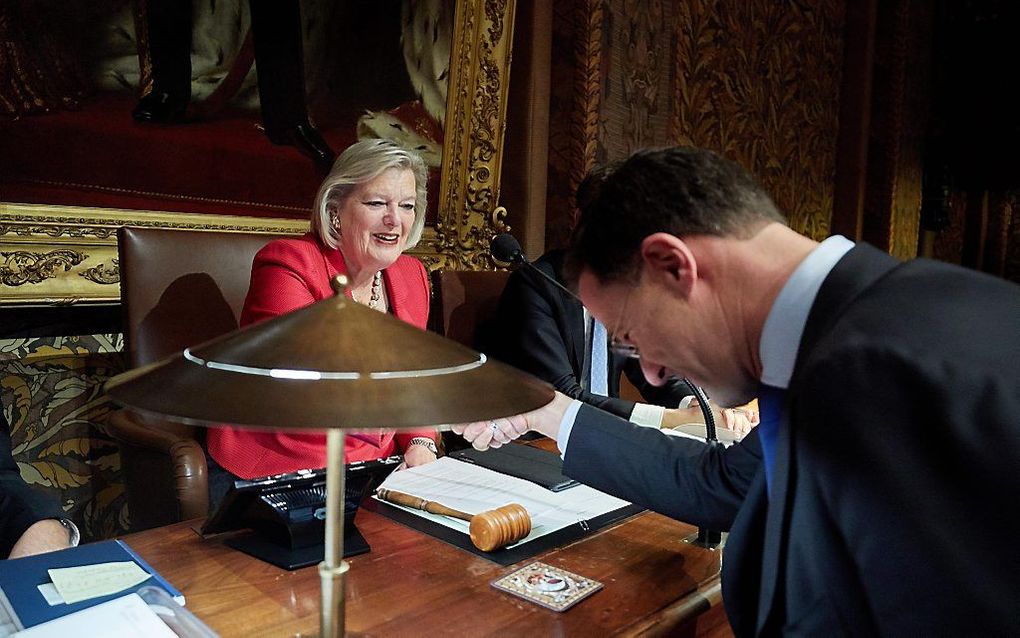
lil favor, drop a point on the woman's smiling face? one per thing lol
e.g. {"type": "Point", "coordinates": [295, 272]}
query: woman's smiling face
{"type": "Point", "coordinates": [376, 220]}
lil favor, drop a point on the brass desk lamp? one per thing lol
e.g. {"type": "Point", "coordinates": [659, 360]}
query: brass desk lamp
{"type": "Point", "coordinates": [332, 365]}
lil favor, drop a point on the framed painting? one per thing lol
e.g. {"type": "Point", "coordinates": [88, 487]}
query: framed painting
{"type": "Point", "coordinates": [75, 166]}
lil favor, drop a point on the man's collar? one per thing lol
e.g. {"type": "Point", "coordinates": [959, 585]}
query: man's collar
{"type": "Point", "coordinates": [784, 326]}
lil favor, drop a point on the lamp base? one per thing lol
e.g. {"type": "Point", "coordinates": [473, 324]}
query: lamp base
{"type": "Point", "coordinates": [332, 581]}
{"type": "Point", "coordinates": [287, 558]}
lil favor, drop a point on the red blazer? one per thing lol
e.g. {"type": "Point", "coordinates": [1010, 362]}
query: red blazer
{"type": "Point", "coordinates": [288, 274]}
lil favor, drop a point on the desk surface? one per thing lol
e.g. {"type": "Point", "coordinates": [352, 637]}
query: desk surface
{"type": "Point", "coordinates": [412, 584]}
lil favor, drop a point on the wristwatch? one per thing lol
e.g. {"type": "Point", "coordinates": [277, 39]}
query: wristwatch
{"type": "Point", "coordinates": [73, 535]}
{"type": "Point", "coordinates": [426, 442]}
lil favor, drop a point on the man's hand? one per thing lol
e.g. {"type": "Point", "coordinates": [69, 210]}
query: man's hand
{"type": "Point", "coordinates": [44, 536]}
{"type": "Point", "coordinates": [739, 420]}
{"type": "Point", "coordinates": [675, 417]}
{"type": "Point", "coordinates": [497, 432]}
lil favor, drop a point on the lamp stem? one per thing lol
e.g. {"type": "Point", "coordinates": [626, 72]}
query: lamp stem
{"type": "Point", "coordinates": [333, 569]}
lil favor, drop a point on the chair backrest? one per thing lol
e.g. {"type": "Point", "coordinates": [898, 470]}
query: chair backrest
{"type": "Point", "coordinates": [465, 302]}
{"type": "Point", "coordinates": [180, 288]}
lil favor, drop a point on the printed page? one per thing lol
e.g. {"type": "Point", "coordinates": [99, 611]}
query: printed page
{"type": "Point", "coordinates": [474, 489]}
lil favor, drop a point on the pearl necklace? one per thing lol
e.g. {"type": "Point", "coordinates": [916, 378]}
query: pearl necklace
{"type": "Point", "coordinates": [373, 301]}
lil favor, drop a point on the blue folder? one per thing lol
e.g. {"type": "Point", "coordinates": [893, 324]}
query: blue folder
{"type": "Point", "coordinates": [20, 579]}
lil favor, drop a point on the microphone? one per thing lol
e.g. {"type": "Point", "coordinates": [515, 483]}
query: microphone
{"type": "Point", "coordinates": [506, 249]}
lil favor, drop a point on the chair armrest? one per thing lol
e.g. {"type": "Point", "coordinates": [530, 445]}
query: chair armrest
{"type": "Point", "coordinates": [165, 472]}
{"type": "Point", "coordinates": [132, 429]}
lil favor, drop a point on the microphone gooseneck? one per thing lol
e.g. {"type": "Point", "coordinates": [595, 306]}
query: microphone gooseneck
{"type": "Point", "coordinates": [706, 410]}
{"type": "Point", "coordinates": [505, 248]}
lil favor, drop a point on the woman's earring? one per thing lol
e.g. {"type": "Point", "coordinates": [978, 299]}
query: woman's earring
{"type": "Point", "coordinates": [334, 221]}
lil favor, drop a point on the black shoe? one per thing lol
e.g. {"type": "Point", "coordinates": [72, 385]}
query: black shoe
{"type": "Point", "coordinates": [160, 107]}
{"type": "Point", "coordinates": [306, 139]}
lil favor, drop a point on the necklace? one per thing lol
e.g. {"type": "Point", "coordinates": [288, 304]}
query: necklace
{"type": "Point", "coordinates": [373, 301]}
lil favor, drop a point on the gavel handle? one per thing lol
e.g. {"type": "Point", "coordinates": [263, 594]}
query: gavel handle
{"type": "Point", "coordinates": [419, 503]}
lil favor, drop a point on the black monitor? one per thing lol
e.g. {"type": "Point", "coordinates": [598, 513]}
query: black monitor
{"type": "Point", "coordinates": [287, 513]}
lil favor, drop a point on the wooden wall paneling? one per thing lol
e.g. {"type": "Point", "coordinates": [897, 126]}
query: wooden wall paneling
{"type": "Point", "coordinates": [576, 85]}
{"type": "Point", "coordinates": [759, 82]}
{"type": "Point", "coordinates": [947, 244]}
{"type": "Point", "coordinates": [1011, 268]}
{"type": "Point", "coordinates": [900, 111]}
{"type": "Point", "coordinates": [1000, 228]}
{"type": "Point", "coordinates": [636, 98]}
{"type": "Point", "coordinates": [975, 229]}
{"type": "Point", "coordinates": [526, 168]}
{"type": "Point", "coordinates": [854, 118]}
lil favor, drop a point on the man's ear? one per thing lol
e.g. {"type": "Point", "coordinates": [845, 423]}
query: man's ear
{"type": "Point", "coordinates": [669, 259]}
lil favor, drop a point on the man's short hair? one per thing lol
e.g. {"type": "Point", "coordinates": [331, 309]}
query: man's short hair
{"type": "Point", "coordinates": [681, 191]}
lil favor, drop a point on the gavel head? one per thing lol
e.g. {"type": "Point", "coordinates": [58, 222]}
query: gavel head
{"type": "Point", "coordinates": [499, 527]}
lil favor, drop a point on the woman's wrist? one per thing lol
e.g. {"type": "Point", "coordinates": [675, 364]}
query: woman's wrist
{"type": "Point", "coordinates": [424, 442]}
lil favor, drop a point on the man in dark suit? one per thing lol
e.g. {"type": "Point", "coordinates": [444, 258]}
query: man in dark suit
{"type": "Point", "coordinates": [877, 497]}
{"type": "Point", "coordinates": [28, 523]}
{"type": "Point", "coordinates": [276, 36]}
{"type": "Point", "coordinates": [542, 330]}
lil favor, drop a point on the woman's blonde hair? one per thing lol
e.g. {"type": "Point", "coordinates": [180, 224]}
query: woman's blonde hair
{"type": "Point", "coordinates": [362, 162]}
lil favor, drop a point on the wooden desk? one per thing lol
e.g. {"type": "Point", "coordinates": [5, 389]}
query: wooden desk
{"type": "Point", "coordinates": [413, 585]}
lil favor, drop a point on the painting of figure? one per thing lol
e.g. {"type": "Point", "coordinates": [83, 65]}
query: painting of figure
{"type": "Point", "coordinates": [231, 107]}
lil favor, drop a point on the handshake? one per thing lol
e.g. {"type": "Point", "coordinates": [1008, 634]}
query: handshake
{"type": "Point", "coordinates": [546, 420]}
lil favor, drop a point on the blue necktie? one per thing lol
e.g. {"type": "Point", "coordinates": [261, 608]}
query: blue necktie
{"type": "Point", "coordinates": [599, 359]}
{"type": "Point", "coordinates": [770, 409]}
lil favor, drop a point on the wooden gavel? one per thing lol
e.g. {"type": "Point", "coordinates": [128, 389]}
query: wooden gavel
{"type": "Point", "coordinates": [489, 530]}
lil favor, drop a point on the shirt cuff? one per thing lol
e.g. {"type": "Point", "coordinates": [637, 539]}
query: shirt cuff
{"type": "Point", "coordinates": [567, 426]}
{"type": "Point", "coordinates": [649, 416]}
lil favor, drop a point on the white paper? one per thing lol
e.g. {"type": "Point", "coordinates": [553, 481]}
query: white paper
{"type": "Point", "coordinates": [473, 489]}
{"type": "Point", "coordinates": [50, 593]}
{"type": "Point", "coordinates": [124, 617]}
{"type": "Point", "coordinates": [697, 431]}
{"type": "Point", "coordinates": [76, 584]}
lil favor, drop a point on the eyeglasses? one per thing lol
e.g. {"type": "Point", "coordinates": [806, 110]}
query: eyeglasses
{"type": "Point", "coordinates": [621, 348]}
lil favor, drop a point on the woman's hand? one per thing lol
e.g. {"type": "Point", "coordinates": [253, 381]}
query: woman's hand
{"type": "Point", "coordinates": [417, 455]}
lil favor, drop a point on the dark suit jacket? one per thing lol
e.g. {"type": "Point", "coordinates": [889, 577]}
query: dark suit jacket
{"type": "Point", "coordinates": [894, 504]}
{"type": "Point", "coordinates": [20, 506]}
{"type": "Point", "coordinates": [540, 329]}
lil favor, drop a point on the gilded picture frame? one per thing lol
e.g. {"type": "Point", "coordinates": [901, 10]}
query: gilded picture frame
{"type": "Point", "coordinates": [66, 255]}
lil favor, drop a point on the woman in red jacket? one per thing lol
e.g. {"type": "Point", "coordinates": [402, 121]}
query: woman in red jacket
{"type": "Point", "coordinates": [369, 210]}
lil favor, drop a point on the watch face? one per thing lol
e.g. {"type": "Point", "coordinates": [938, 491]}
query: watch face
{"type": "Point", "coordinates": [73, 536]}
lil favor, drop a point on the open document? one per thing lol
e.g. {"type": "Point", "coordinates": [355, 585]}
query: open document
{"type": "Point", "coordinates": [474, 489]}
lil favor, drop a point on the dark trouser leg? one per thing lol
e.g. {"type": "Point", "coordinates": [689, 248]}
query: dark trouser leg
{"type": "Point", "coordinates": [279, 61]}
{"type": "Point", "coordinates": [169, 25]}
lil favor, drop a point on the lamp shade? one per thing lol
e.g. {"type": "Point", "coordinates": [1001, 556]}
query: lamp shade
{"type": "Point", "coordinates": [333, 364]}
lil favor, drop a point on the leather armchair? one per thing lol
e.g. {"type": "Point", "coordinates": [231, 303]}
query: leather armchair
{"type": "Point", "coordinates": [463, 305]}
{"type": "Point", "coordinates": [178, 288]}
